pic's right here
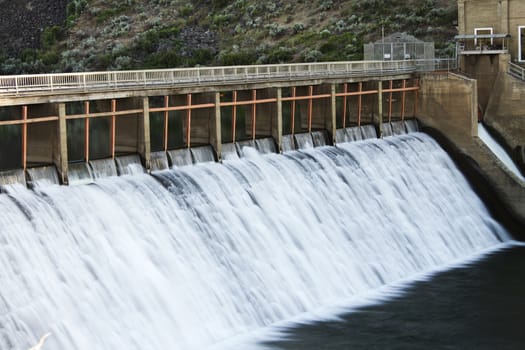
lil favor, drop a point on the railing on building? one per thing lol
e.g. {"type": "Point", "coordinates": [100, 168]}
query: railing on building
{"type": "Point", "coordinates": [482, 44]}
{"type": "Point", "coordinates": [517, 71]}
{"type": "Point", "coordinates": [17, 85]}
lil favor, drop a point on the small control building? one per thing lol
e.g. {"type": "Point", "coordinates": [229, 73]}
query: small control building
{"type": "Point", "coordinates": [398, 46]}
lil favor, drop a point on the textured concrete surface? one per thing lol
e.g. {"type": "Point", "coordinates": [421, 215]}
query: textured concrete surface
{"type": "Point", "coordinates": [448, 110]}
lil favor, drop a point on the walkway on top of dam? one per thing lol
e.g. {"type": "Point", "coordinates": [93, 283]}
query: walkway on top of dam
{"type": "Point", "coordinates": [96, 82]}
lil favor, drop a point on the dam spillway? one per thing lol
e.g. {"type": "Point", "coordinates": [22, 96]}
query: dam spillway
{"type": "Point", "coordinates": [195, 255]}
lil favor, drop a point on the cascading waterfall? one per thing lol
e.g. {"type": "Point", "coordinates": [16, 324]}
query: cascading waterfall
{"type": "Point", "coordinates": [43, 176]}
{"type": "Point", "coordinates": [190, 257]}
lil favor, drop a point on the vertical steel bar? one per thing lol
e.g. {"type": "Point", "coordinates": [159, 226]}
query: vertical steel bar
{"type": "Point", "coordinates": [390, 95]}
{"type": "Point", "coordinates": [188, 121]}
{"type": "Point", "coordinates": [254, 113]}
{"type": "Point", "coordinates": [416, 84]}
{"type": "Point", "coordinates": [344, 104]}
{"type": "Point", "coordinates": [24, 137]}
{"type": "Point", "coordinates": [113, 127]}
{"type": "Point", "coordinates": [166, 119]}
{"type": "Point", "coordinates": [403, 100]}
{"type": "Point", "coordinates": [86, 131]}
{"type": "Point", "coordinates": [294, 92]}
{"type": "Point", "coordinates": [234, 116]}
{"type": "Point", "coordinates": [359, 103]}
{"type": "Point", "coordinates": [279, 119]}
{"type": "Point", "coordinates": [310, 107]}
{"type": "Point", "coordinates": [380, 108]}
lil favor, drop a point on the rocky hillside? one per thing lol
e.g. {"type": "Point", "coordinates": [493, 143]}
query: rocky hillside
{"type": "Point", "coordinates": [22, 23]}
{"type": "Point", "coordinates": [130, 34]}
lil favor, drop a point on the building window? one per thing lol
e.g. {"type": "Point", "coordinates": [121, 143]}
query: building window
{"type": "Point", "coordinates": [483, 42]}
{"type": "Point", "coordinates": [521, 44]}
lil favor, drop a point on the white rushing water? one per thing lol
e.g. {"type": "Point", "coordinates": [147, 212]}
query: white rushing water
{"type": "Point", "coordinates": [498, 151]}
{"type": "Point", "coordinates": [194, 256]}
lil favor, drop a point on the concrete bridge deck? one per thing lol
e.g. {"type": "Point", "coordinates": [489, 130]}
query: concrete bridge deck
{"type": "Point", "coordinates": [18, 88]}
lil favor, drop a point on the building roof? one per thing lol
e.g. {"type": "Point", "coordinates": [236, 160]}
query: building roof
{"type": "Point", "coordinates": [482, 36]}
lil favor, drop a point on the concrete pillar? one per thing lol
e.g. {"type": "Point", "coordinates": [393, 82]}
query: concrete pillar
{"type": "Point", "coordinates": [461, 17]}
{"type": "Point", "coordinates": [279, 138]}
{"type": "Point", "coordinates": [380, 108]}
{"type": "Point", "coordinates": [62, 165]}
{"type": "Point", "coordinates": [218, 130]}
{"type": "Point", "coordinates": [333, 109]}
{"type": "Point", "coordinates": [474, 109]}
{"type": "Point", "coordinates": [505, 17]}
{"type": "Point", "coordinates": [145, 140]}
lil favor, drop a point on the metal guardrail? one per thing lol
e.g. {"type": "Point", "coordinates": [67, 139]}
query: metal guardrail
{"type": "Point", "coordinates": [17, 85]}
{"type": "Point", "coordinates": [517, 71]}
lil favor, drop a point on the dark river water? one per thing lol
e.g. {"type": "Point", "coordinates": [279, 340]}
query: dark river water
{"type": "Point", "coordinates": [477, 306]}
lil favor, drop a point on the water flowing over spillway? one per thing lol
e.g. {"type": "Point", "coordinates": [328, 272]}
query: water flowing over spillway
{"type": "Point", "coordinates": [192, 256]}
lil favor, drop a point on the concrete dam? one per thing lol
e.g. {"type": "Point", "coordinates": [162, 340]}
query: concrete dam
{"type": "Point", "coordinates": [247, 196]}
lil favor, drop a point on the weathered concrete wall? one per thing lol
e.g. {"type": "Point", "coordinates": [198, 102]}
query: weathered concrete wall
{"type": "Point", "coordinates": [448, 108]}
{"type": "Point", "coordinates": [449, 102]}
{"type": "Point", "coordinates": [485, 69]}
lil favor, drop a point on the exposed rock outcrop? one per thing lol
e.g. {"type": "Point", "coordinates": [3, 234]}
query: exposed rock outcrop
{"type": "Point", "coordinates": [23, 21]}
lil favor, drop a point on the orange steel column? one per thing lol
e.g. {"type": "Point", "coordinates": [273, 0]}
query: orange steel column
{"type": "Point", "coordinates": [416, 84]}
{"type": "Point", "coordinates": [113, 126]}
{"type": "Point", "coordinates": [254, 112]}
{"type": "Point", "coordinates": [403, 100]}
{"type": "Point", "coordinates": [310, 107]}
{"type": "Point", "coordinates": [24, 137]}
{"type": "Point", "coordinates": [359, 104]}
{"type": "Point", "coordinates": [86, 131]}
{"type": "Point", "coordinates": [234, 116]}
{"type": "Point", "coordinates": [188, 122]}
{"type": "Point", "coordinates": [344, 105]}
{"type": "Point", "coordinates": [166, 118]}
{"type": "Point", "coordinates": [294, 92]}
{"type": "Point", "coordinates": [390, 87]}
